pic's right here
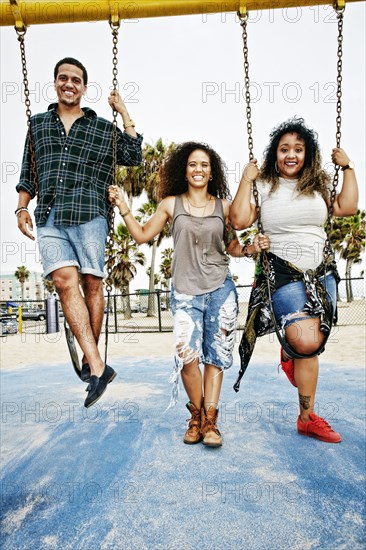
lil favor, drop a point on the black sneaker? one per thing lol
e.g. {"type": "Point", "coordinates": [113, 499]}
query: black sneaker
{"type": "Point", "coordinates": [97, 386]}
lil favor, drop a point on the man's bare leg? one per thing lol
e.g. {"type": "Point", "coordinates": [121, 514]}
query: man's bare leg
{"type": "Point", "coordinates": [94, 300]}
{"type": "Point", "coordinates": [66, 281]}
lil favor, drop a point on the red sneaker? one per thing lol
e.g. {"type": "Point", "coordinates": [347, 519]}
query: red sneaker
{"type": "Point", "coordinates": [317, 427]}
{"type": "Point", "coordinates": [288, 368]}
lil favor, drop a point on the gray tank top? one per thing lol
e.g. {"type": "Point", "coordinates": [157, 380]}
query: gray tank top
{"type": "Point", "coordinates": [200, 263]}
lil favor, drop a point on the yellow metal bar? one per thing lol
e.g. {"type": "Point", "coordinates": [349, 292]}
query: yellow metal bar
{"type": "Point", "coordinates": [19, 24]}
{"type": "Point", "coordinates": [71, 11]}
{"type": "Point", "coordinates": [242, 11]}
{"type": "Point", "coordinates": [114, 15]}
{"type": "Point", "coordinates": [20, 319]}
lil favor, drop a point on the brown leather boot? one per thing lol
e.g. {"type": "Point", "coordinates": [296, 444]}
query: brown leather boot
{"type": "Point", "coordinates": [193, 434]}
{"type": "Point", "coordinates": [210, 433]}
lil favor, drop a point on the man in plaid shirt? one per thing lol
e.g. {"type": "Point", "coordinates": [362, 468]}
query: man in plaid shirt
{"type": "Point", "coordinates": [74, 162]}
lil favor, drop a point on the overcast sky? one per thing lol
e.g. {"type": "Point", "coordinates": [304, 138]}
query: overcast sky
{"type": "Point", "coordinates": [182, 79]}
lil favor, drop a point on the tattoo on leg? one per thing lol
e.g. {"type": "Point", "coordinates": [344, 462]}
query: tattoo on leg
{"type": "Point", "coordinates": [305, 401]}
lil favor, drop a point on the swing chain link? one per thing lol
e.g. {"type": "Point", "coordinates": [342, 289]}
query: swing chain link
{"type": "Point", "coordinates": [114, 25]}
{"type": "Point", "coordinates": [110, 239]}
{"type": "Point", "coordinates": [328, 252]}
{"type": "Point", "coordinates": [244, 22]}
{"type": "Point", "coordinates": [21, 40]}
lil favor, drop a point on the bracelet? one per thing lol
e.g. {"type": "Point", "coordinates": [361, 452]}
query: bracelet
{"type": "Point", "coordinates": [125, 213]}
{"type": "Point", "coordinates": [130, 124]}
{"type": "Point", "coordinates": [21, 209]}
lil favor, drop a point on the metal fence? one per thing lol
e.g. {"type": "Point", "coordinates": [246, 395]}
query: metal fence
{"type": "Point", "coordinates": [138, 312]}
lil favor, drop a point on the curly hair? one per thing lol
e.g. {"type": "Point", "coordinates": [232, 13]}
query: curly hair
{"type": "Point", "coordinates": [173, 172]}
{"type": "Point", "coordinates": [312, 177]}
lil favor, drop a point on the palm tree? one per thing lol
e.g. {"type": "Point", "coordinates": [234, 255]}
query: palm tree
{"type": "Point", "coordinates": [132, 180]}
{"type": "Point", "coordinates": [136, 179]}
{"type": "Point", "coordinates": [121, 261]}
{"type": "Point", "coordinates": [157, 278]}
{"type": "Point", "coordinates": [146, 177]}
{"type": "Point", "coordinates": [49, 286]}
{"type": "Point", "coordinates": [348, 240]}
{"type": "Point", "coordinates": [146, 211]}
{"type": "Point", "coordinates": [166, 270]}
{"type": "Point", "coordinates": [22, 274]}
{"type": "Point", "coordinates": [154, 156]}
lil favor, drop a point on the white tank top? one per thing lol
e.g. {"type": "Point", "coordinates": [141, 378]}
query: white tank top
{"type": "Point", "coordinates": [294, 223]}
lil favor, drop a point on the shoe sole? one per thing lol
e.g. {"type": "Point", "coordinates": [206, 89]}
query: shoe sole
{"type": "Point", "coordinates": [314, 436]}
{"type": "Point", "coordinates": [212, 444]}
{"type": "Point", "coordinates": [103, 392]}
{"type": "Point", "coordinates": [288, 377]}
{"type": "Point", "coordinates": [192, 442]}
{"type": "Point", "coordinates": [88, 380]}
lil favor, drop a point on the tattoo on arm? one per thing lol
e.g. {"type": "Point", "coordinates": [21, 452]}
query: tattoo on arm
{"type": "Point", "coordinates": [304, 401]}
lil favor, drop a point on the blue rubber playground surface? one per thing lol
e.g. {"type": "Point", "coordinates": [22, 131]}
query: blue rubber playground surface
{"type": "Point", "coordinates": [118, 475]}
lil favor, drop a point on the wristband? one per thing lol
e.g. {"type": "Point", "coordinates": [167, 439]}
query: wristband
{"type": "Point", "coordinates": [125, 213]}
{"type": "Point", "coordinates": [21, 209]}
{"type": "Point", "coordinates": [129, 124]}
{"type": "Point", "coordinates": [349, 166]}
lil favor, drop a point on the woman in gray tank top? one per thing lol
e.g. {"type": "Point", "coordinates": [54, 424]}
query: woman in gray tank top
{"type": "Point", "coordinates": [195, 202]}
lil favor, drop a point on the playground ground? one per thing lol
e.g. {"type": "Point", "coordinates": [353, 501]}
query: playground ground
{"type": "Point", "coordinates": [117, 475]}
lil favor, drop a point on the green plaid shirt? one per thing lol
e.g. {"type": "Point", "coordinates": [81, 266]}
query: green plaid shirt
{"type": "Point", "coordinates": [75, 170]}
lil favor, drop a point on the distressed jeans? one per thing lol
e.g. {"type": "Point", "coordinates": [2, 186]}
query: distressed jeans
{"type": "Point", "coordinates": [204, 329]}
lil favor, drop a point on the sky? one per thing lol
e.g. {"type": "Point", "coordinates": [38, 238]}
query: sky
{"type": "Point", "coordinates": [182, 79]}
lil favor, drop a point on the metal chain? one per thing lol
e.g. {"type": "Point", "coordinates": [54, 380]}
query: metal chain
{"type": "Point", "coordinates": [327, 252]}
{"type": "Point", "coordinates": [110, 239]}
{"type": "Point", "coordinates": [244, 22]}
{"type": "Point", "coordinates": [21, 39]}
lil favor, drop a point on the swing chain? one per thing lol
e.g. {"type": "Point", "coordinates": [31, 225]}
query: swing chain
{"type": "Point", "coordinates": [328, 253]}
{"type": "Point", "coordinates": [110, 240]}
{"type": "Point", "coordinates": [114, 25]}
{"type": "Point", "coordinates": [21, 40]}
{"type": "Point", "coordinates": [244, 22]}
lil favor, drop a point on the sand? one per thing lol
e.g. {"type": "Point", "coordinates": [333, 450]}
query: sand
{"type": "Point", "coordinates": [346, 345]}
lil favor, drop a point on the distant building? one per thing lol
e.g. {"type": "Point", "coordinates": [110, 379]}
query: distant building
{"type": "Point", "coordinates": [11, 288]}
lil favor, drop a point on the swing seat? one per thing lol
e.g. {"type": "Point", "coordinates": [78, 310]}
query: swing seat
{"type": "Point", "coordinates": [70, 339]}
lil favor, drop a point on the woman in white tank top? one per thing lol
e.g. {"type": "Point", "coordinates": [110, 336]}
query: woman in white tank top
{"type": "Point", "coordinates": [294, 193]}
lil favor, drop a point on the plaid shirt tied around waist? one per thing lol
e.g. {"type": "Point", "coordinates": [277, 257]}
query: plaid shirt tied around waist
{"type": "Point", "coordinates": [74, 170]}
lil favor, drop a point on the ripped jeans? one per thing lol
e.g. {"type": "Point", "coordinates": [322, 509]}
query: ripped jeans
{"type": "Point", "coordinates": [204, 329]}
{"type": "Point", "coordinates": [290, 299]}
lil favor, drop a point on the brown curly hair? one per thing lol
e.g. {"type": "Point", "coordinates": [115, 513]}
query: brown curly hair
{"type": "Point", "coordinates": [173, 171]}
{"type": "Point", "coordinates": [312, 177]}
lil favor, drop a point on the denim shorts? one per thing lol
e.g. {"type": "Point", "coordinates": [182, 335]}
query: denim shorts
{"type": "Point", "coordinates": [291, 299]}
{"type": "Point", "coordinates": [82, 246]}
{"type": "Point", "coordinates": [204, 328]}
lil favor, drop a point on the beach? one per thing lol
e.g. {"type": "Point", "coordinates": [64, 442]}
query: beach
{"type": "Point", "coordinates": [346, 344]}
